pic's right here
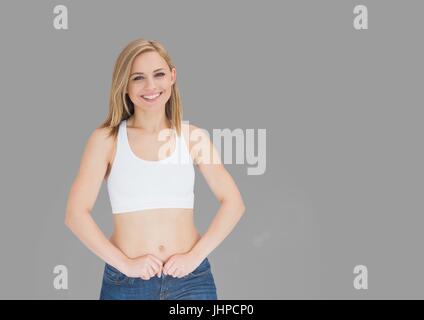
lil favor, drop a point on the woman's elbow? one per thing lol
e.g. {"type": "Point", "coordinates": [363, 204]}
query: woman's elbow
{"type": "Point", "coordinates": [242, 207]}
{"type": "Point", "coordinates": [236, 203]}
{"type": "Point", "coordinates": [72, 218]}
{"type": "Point", "coordinates": [239, 202]}
{"type": "Point", "coordinates": [69, 218]}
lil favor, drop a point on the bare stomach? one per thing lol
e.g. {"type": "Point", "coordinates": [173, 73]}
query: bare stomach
{"type": "Point", "coordinates": [161, 232]}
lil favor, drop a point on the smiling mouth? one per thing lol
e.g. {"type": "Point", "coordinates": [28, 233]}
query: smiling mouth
{"type": "Point", "coordinates": [151, 98]}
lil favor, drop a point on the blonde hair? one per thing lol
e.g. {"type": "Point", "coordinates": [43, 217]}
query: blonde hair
{"type": "Point", "coordinates": [120, 105]}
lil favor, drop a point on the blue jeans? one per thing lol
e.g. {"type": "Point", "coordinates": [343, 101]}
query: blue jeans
{"type": "Point", "coordinates": [197, 285]}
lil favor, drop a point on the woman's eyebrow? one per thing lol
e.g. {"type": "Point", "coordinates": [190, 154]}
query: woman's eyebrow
{"type": "Point", "coordinates": [143, 73]}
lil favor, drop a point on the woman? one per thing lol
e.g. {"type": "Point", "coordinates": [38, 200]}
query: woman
{"type": "Point", "coordinates": [155, 251]}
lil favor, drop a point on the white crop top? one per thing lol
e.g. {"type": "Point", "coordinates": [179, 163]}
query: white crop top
{"type": "Point", "coordinates": [135, 184]}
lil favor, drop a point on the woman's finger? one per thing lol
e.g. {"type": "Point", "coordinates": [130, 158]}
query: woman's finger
{"type": "Point", "coordinates": [168, 267]}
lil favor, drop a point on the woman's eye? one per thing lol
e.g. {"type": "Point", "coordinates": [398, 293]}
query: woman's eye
{"type": "Point", "coordinates": [161, 74]}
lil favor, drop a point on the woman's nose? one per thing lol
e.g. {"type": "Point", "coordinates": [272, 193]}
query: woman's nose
{"type": "Point", "coordinates": [150, 84]}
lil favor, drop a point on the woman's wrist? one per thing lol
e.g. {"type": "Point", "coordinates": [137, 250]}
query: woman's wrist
{"type": "Point", "coordinates": [195, 255]}
{"type": "Point", "coordinates": [123, 264]}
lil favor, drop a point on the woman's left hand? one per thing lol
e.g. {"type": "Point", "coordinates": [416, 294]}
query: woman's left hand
{"type": "Point", "coordinates": [180, 265]}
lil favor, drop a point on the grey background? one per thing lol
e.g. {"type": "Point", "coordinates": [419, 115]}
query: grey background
{"type": "Point", "coordinates": [343, 114]}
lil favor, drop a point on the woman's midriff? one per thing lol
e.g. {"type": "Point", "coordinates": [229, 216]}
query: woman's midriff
{"type": "Point", "coordinates": [161, 232]}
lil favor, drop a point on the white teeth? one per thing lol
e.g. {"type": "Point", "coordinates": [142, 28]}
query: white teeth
{"type": "Point", "coordinates": [151, 97]}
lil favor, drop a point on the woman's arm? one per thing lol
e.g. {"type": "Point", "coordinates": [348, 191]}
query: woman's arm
{"type": "Point", "coordinates": [208, 161]}
{"type": "Point", "coordinates": [83, 195]}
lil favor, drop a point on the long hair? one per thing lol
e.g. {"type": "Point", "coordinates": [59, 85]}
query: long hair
{"type": "Point", "coordinates": [120, 104]}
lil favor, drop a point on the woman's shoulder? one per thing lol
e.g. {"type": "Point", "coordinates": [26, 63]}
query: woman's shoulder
{"type": "Point", "coordinates": [186, 125]}
{"type": "Point", "coordinates": [190, 131]}
{"type": "Point", "coordinates": [103, 141]}
{"type": "Point", "coordinates": [197, 132]}
{"type": "Point", "coordinates": [102, 136]}
{"type": "Point", "coordinates": [197, 136]}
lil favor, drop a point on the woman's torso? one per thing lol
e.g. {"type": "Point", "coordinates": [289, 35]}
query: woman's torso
{"type": "Point", "coordinates": [162, 232]}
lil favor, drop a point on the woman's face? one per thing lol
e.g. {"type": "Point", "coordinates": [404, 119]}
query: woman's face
{"type": "Point", "coordinates": [150, 76]}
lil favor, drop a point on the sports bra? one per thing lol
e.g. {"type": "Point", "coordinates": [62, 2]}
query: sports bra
{"type": "Point", "coordinates": [135, 184]}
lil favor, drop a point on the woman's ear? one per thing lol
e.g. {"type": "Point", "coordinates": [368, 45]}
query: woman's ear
{"type": "Point", "coordinates": [174, 75]}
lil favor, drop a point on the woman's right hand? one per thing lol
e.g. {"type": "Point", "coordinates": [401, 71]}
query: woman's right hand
{"type": "Point", "coordinates": [143, 267]}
